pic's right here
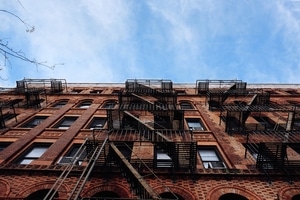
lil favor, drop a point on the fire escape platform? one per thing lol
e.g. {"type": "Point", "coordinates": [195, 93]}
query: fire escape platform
{"type": "Point", "coordinates": [150, 135]}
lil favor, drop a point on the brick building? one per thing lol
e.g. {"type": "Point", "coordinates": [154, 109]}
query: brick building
{"type": "Point", "coordinates": [150, 139]}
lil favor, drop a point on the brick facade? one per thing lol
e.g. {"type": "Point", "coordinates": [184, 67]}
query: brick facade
{"type": "Point", "coordinates": [237, 175]}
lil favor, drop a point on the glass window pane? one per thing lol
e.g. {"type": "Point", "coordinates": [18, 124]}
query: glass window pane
{"type": "Point", "coordinates": [36, 152]}
{"type": "Point", "coordinates": [208, 155]}
{"type": "Point", "coordinates": [26, 161]}
{"type": "Point", "coordinates": [35, 121]}
{"type": "Point", "coordinates": [186, 105]}
{"type": "Point", "coordinates": [163, 156]}
{"type": "Point", "coordinates": [66, 122]}
{"type": "Point", "coordinates": [85, 104]}
{"type": "Point", "coordinates": [97, 122]}
{"type": "Point", "coordinates": [195, 124]}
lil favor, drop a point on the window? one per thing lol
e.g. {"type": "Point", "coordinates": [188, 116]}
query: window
{"type": "Point", "coordinates": [195, 124]}
{"type": "Point", "coordinates": [34, 153]}
{"type": "Point", "coordinates": [3, 145]}
{"type": "Point", "coordinates": [75, 150]}
{"type": "Point", "coordinates": [34, 121]}
{"type": "Point", "coordinates": [96, 91]}
{"type": "Point", "coordinates": [210, 158]}
{"type": "Point", "coordinates": [109, 105]}
{"type": "Point", "coordinates": [115, 91]}
{"type": "Point", "coordinates": [76, 91]}
{"type": "Point", "coordinates": [85, 104]}
{"type": "Point", "coordinates": [186, 106]}
{"type": "Point", "coordinates": [66, 122]}
{"type": "Point", "coordinates": [265, 121]}
{"type": "Point", "coordinates": [162, 158]}
{"type": "Point", "coordinates": [97, 123]}
{"type": "Point", "coordinates": [60, 104]}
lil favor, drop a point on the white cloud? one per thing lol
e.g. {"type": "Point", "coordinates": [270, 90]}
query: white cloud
{"type": "Point", "coordinates": [105, 41]}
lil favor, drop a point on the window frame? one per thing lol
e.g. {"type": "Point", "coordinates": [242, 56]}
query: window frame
{"type": "Point", "coordinates": [34, 121]}
{"type": "Point", "coordinates": [4, 145]}
{"type": "Point", "coordinates": [214, 160]}
{"type": "Point", "coordinates": [26, 158]}
{"type": "Point", "coordinates": [107, 104]}
{"type": "Point", "coordinates": [201, 126]}
{"type": "Point", "coordinates": [69, 156]}
{"type": "Point", "coordinates": [85, 104]}
{"type": "Point", "coordinates": [61, 125]}
{"type": "Point", "coordinates": [60, 103]}
{"type": "Point", "coordinates": [187, 106]}
{"type": "Point", "coordinates": [163, 160]}
{"type": "Point", "coordinates": [91, 126]}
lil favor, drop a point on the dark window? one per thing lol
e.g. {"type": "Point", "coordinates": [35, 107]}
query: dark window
{"type": "Point", "coordinates": [107, 194]}
{"type": "Point", "coordinates": [39, 195]}
{"type": "Point", "coordinates": [115, 91]}
{"type": "Point", "coordinates": [3, 145]}
{"type": "Point", "coordinates": [195, 124]}
{"type": "Point", "coordinates": [171, 195]}
{"type": "Point", "coordinates": [96, 91]}
{"type": "Point", "coordinates": [60, 104]}
{"type": "Point", "coordinates": [210, 158]}
{"type": "Point", "coordinates": [33, 153]}
{"type": "Point", "coordinates": [77, 151]}
{"type": "Point", "coordinates": [76, 91]}
{"type": "Point", "coordinates": [66, 122]}
{"type": "Point", "coordinates": [231, 196]}
{"type": "Point", "coordinates": [97, 123]}
{"type": "Point", "coordinates": [296, 197]}
{"type": "Point", "coordinates": [34, 121]}
{"type": "Point", "coordinates": [85, 104]}
{"type": "Point", "coordinates": [180, 92]}
{"type": "Point", "coordinates": [265, 121]}
{"type": "Point", "coordinates": [109, 105]}
{"type": "Point", "coordinates": [186, 106]}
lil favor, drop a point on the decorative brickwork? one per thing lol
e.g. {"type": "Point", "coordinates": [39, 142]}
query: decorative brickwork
{"type": "Point", "coordinates": [120, 189]}
{"type": "Point", "coordinates": [183, 192]}
{"type": "Point", "coordinates": [288, 192]}
{"type": "Point", "coordinates": [217, 192]}
{"type": "Point", "coordinates": [62, 193]}
{"type": "Point", "coordinates": [4, 188]}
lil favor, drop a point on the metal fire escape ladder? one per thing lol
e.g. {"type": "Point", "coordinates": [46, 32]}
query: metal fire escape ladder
{"type": "Point", "coordinates": [136, 181]}
{"type": "Point", "coordinates": [59, 181]}
{"type": "Point", "coordinates": [87, 171]}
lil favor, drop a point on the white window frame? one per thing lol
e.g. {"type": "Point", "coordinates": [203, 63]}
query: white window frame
{"type": "Point", "coordinates": [34, 153]}
{"type": "Point", "coordinates": [210, 158]}
{"type": "Point", "coordinates": [195, 124]}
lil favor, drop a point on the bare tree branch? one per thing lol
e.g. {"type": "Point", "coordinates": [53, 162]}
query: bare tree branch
{"type": "Point", "coordinates": [8, 52]}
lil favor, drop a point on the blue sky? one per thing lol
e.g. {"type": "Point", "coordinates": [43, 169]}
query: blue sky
{"type": "Point", "coordinates": [182, 40]}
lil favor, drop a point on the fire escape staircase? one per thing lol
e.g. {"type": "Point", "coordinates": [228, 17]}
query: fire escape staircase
{"type": "Point", "coordinates": [94, 149]}
{"type": "Point", "coordinates": [133, 177]}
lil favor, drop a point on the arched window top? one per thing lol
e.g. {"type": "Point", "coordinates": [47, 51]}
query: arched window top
{"type": "Point", "coordinates": [39, 195]}
{"type": "Point", "coordinates": [185, 105]}
{"type": "Point", "coordinates": [109, 104]}
{"type": "Point", "coordinates": [230, 196]}
{"type": "Point", "coordinates": [60, 103]}
{"type": "Point", "coordinates": [85, 103]}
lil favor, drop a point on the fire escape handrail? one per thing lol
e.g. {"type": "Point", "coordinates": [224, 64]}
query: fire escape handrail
{"type": "Point", "coordinates": [87, 171]}
{"type": "Point", "coordinates": [147, 189]}
{"type": "Point", "coordinates": [51, 193]}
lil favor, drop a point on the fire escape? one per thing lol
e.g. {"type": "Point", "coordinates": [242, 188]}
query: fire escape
{"type": "Point", "coordinates": [274, 142]}
{"type": "Point", "coordinates": [146, 124]}
{"type": "Point", "coordinates": [30, 93]}
{"type": "Point", "coordinates": [148, 115]}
